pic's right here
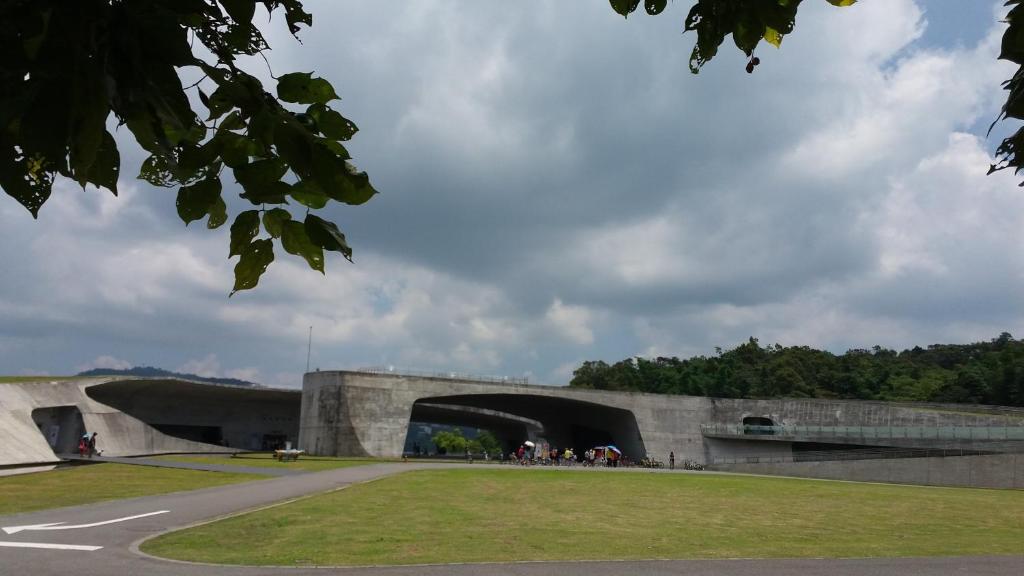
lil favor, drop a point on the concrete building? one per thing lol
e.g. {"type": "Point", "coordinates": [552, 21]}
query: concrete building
{"type": "Point", "coordinates": [366, 413]}
{"type": "Point", "coordinates": [39, 421]}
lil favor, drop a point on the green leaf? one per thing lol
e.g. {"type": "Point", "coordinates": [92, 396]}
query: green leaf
{"type": "Point", "coordinates": [293, 143]}
{"type": "Point", "coordinates": [193, 159]}
{"type": "Point", "coordinates": [842, 3]}
{"type": "Point", "coordinates": [326, 235]}
{"type": "Point", "coordinates": [89, 118]}
{"type": "Point", "coordinates": [624, 7]}
{"type": "Point", "coordinates": [261, 127]}
{"type": "Point", "coordinates": [241, 11]}
{"type": "Point", "coordinates": [338, 179]}
{"type": "Point", "coordinates": [218, 103]}
{"type": "Point", "coordinates": [772, 36]}
{"type": "Point", "coordinates": [235, 150]}
{"type": "Point", "coordinates": [245, 227]}
{"type": "Point", "coordinates": [232, 121]}
{"type": "Point", "coordinates": [157, 172]}
{"type": "Point", "coordinates": [260, 172]}
{"type": "Point", "coordinates": [218, 214]}
{"type": "Point", "coordinates": [276, 192]}
{"type": "Point", "coordinates": [296, 241]}
{"type": "Point", "coordinates": [307, 193]}
{"type": "Point", "coordinates": [252, 264]}
{"type": "Point", "coordinates": [335, 126]}
{"type": "Point", "coordinates": [655, 7]}
{"type": "Point", "coordinates": [195, 201]}
{"type": "Point", "coordinates": [274, 221]}
{"type": "Point", "coordinates": [30, 187]}
{"type": "Point", "coordinates": [106, 165]}
{"type": "Point", "coordinates": [302, 88]}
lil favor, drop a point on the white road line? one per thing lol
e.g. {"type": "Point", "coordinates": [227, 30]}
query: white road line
{"type": "Point", "coordinates": [49, 546]}
{"type": "Point", "coordinates": [60, 526]}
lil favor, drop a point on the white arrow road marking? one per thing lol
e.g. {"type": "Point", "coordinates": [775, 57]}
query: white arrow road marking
{"type": "Point", "coordinates": [49, 546]}
{"type": "Point", "coordinates": [60, 526]}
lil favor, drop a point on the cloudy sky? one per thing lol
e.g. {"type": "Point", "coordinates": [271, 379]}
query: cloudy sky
{"type": "Point", "coordinates": [557, 187]}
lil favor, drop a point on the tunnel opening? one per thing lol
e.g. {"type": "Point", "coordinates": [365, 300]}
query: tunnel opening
{"type": "Point", "coordinates": [758, 425]}
{"type": "Point", "coordinates": [559, 422]}
{"type": "Point", "coordinates": [590, 437]}
{"type": "Point", "coordinates": [429, 418]}
{"type": "Point", "coordinates": [62, 426]}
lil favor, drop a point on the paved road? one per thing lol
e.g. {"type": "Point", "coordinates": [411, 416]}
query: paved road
{"type": "Point", "coordinates": [240, 469]}
{"type": "Point", "coordinates": [117, 555]}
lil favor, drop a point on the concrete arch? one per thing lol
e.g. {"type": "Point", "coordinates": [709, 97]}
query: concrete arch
{"type": "Point", "coordinates": [508, 428]}
{"type": "Point", "coordinates": [368, 414]}
{"type": "Point", "coordinates": [565, 422]}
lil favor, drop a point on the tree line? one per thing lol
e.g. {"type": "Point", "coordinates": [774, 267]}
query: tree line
{"type": "Point", "coordinates": [453, 442]}
{"type": "Point", "coordinates": [980, 373]}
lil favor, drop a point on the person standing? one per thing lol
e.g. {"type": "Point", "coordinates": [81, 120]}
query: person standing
{"type": "Point", "coordinates": [92, 444]}
{"type": "Point", "coordinates": [671, 460]}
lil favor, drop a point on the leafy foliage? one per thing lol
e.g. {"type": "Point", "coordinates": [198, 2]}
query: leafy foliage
{"type": "Point", "coordinates": [981, 373]}
{"type": "Point", "coordinates": [66, 67]}
{"type": "Point", "coordinates": [750, 21]}
{"type": "Point", "coordinates": [453, 442]}
{"type": "Point", "coordinates": [450, 442]}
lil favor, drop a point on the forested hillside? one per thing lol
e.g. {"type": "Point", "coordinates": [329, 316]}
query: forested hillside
{"type": "Point", "coordinates": [983, 373]}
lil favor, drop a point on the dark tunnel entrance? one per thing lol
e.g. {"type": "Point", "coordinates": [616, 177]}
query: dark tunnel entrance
{"type": "Point", "coordinates": [61, 425]}
{"type": "Point", "coordinates": [514, 418]}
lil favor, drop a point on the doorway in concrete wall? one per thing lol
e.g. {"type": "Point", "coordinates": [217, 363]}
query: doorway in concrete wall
{"type": "Point", "coordinates": [62, 426]}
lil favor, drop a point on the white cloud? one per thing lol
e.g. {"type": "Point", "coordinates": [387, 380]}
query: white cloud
{"type": "Point", "coordinates": [572, 322]}
{"type": "Point", "coordinates": [207, 366]}
{"type": "Point", "coordinates": [247, 374]}
{"type": "Point", "coordinates": [108, 362]}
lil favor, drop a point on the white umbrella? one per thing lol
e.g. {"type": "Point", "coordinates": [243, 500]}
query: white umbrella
{"type": "Point", "coordinates": [529, 444]}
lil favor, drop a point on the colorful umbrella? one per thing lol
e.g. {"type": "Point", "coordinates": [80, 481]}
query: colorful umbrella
{"type": "Point", "coordinates": [614, 449]}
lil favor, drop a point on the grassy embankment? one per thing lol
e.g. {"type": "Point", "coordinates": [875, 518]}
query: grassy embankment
{"type": "Point", "coordinates": [506, 515]}
{"type": "Point", "coordinates": [21, 379]}
{"type": "Point", "coordinates": [260, 460]}
{"type": "Point", "coordinates": [100, 482]}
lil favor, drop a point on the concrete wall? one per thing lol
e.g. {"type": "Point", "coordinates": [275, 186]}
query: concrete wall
{"type": "Point", "coordinates": [24, 441]}
{"type": "Point", "coordinates": [350, 413]}
{"type": "Point", "coordinates": [353, 413]}
{"type": "Point", "coordinates": [822, 412]}
{"type": "Point", "coordinates": [987, 471]}
{"type": "Point", "coordinates": [242, 415]}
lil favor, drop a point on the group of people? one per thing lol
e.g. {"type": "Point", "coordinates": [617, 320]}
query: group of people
{"type": "Point", "coordinates": [545, 455]}
{"type": "Point", "coordinates": [87, 445]}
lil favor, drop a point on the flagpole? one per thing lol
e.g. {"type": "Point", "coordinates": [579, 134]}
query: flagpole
{"type": "Point", "coordinates": [309, 347]}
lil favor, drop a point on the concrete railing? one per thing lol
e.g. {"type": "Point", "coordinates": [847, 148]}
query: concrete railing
{"type": "Point", "coordinates": [867, 432]}
{"type": "Point", "coordinates": [851, 454]}
{"type": "Point", "coordinates": [979, 471]}
{"type": "Point", "coordinates": [392, 371]}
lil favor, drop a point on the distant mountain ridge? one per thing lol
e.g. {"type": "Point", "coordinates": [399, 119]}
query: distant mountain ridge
{"type": "Point", "coordinates": [151, 372]}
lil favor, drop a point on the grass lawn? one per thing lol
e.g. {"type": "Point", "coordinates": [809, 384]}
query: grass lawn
{"type": "Point", "coordinates": [311, 463]}
{"type": "Point", "coordinates": [480, 515]}
{"type": "Point", "coordinates": [20, 379]}
{"type": "Point", "coordinates": [98, 482]}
